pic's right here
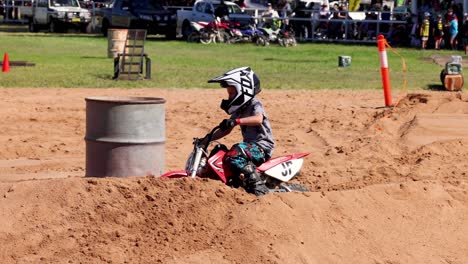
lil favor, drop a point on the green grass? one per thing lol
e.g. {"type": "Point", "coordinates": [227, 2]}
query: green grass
{"type": "Point", "coordinates": [74, 60]}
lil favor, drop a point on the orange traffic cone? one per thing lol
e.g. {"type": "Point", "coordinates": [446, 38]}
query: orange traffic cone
{"type": "Point", "coordinates": [6, 63]}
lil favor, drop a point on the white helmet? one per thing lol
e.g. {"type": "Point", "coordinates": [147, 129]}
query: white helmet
{"type": "Point", "coordinates": [247, 86]}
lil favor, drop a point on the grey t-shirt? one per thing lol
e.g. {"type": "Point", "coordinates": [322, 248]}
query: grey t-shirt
{"type": "Point", "coordinates": [262, 134]}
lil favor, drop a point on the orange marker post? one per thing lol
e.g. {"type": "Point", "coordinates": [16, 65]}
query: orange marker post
{"type": "Point", "coordinates": [6, 63]}
{"type": "Point", "coordinates": [384, 70]}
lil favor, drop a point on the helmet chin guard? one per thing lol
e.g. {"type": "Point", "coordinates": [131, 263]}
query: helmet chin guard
{"type": "Point", "coordinates": [247, 86]}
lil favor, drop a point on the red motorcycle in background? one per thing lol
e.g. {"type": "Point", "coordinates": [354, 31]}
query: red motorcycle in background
{"type": "Point", "coordinates": [216, 31]}
{"type": "Point", "coordinates": [276, 172]}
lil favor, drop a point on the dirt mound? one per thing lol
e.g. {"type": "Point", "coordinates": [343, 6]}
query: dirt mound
{"type": "Point", "coordinates": [442, 60]}
{"type": "Point", "coordinates": [82, 217]}
{"type": "Point", "coordinates": [389, 185]}
{"type": "Point", "coordinates": [149, 220]}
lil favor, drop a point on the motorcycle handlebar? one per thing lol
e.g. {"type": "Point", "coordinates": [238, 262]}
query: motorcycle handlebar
{"type": "Point", "coordinates": [208, 137]}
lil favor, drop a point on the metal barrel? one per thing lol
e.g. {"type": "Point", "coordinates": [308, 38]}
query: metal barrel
{"type": "Point", "coordinates": [125, 136]}
{"type": "Point", "coordinates": [116, 39]}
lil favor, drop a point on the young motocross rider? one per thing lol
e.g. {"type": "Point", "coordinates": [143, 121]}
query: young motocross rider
{"type": "Point", "coordinates": [242, 84]}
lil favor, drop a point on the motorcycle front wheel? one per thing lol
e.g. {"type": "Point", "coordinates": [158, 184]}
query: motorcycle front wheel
{"type": "Point", "coordinates": [193, 37]}
{"type": "Point", "coordinates": [222, 37]}
{"type": "Point", "coordinates": [206, 38]}
{"type": "Point", "coordinates": [293, 42]}
{"type": "Point", "coordinates": [283, 42]}
{"type": "Point", "coordinates": [261, 41]}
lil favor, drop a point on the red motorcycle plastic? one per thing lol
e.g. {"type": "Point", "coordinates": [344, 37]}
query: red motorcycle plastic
{"type": "Point", "coordinates": [276, 172]}
{"type": "Point", "coordinates": [216, 31]}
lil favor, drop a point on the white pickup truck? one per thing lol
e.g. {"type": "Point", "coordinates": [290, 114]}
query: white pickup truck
{"type": "Point", "coordinates": [56, 15]}
{"type": "Point", "coordinates": [203, 11]}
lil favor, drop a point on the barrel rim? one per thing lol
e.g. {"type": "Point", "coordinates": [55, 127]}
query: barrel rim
{"type": "Point", "coordinates": [126, 100]}
{"type": "Point", "coordinates": [122, 140]}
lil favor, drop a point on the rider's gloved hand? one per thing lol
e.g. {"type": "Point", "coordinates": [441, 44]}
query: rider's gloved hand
{"type": "Point", "coordinates": [204, 140]}
{"type": "Point", "coordinates": [227, 124]}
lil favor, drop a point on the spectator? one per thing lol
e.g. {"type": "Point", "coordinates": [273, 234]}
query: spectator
{"type": "Point", "coordinates": [285, 13]}
{"type": "Point", "coordinates": [449, 16]}
{"type": "Point", "coordinates": [438, 32]}
{"type": "Point", "coordinates": [458, 10]}
{"type": "Point", "coordinates": [270, 17]}
{"type": "Point", "coordinates": [367, 30]}
{"type": "Point", "coordinates": [335, 10]}
{"type": "Point", "coordinates": [301, 27]}
{"type": "Point", "coordinates": [322, 27]}
{"type": "Point", "coordinates": [452, 29]}
{"type": "Point", "coordinates": [465, 33]}
{"type": "Point", "coordinates": [270, 12]}
{"type": "Point", "coordinates": [324, 12]}
{"type": "Point", "coordinates": [385, 16]}
{"type": "Point", "coordinates": [335, 24]}
{"type": "Point", "coordinates": [415, 39]}
{"type": "Point", "coordinates": [286, 8]}
{"type": "Point", "coordinates": [343, 14]}
{"type": "Point", "coordinates": [424, 30]}
{"type": "Point", "coordinates": [346, 28]}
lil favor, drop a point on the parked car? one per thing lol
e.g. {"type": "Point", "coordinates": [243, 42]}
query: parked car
{"type": "Point", "coordinates": [2, 8]}
{"type": "Point", "coordinates": [203, 11]}
{"type": "Point", "coordinates": [55, 15]}
{"type": "Point", "coordinates": [94, 3]}
{"type": "Point", "coordinates": [139, 14]}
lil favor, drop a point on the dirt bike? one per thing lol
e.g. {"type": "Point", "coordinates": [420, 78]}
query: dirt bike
{"type": "Point", "coordinates": [286, 38]}
{"type": "Point", "coordinates": [215, 31]}
{"type": "Point", "coordinates": [268, 35]}
{"type": "Point", "coordinates": [283, 36]}
{"type": "Point", "coordinates": [248, 34]}
{"type": "Point", "coordinates": [275, 172]}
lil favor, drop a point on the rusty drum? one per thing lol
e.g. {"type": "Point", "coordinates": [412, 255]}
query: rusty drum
{"type": "Point", "coordinates": [125, 136]}
{"type": "Point", "coordinates": [116, 39]}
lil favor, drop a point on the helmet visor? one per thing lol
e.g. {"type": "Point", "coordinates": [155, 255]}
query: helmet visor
{"type": "Point", "coordinates": [224, 84]}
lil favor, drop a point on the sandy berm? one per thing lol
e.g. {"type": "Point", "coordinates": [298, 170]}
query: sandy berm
{"type": "Point", "coordinates": [388, 185]}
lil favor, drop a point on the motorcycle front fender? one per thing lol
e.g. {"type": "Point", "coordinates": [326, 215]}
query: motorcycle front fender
{"type": "Point", "coordinates": [175, 174]}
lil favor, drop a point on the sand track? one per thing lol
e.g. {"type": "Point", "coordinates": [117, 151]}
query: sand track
{"type": "Point", "coordinates": [389, 185]}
